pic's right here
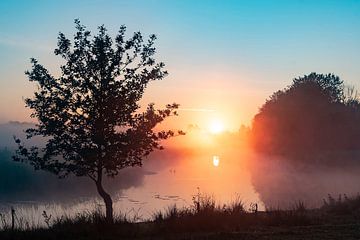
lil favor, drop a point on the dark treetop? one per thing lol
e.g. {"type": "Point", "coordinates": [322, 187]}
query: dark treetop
{"type": "Point", "coordinates": [90, 114]}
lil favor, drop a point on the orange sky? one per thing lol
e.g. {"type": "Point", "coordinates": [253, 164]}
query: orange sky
{"type": "Point", "coordinates": [207, 96]}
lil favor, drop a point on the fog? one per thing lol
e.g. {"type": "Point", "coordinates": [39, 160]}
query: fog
{"type": "Point", "coordinates": [170, 176]}
{"type": "Point", "coordinates": [307, 140]}
{"type": "Point", "coordinates": [277, 181]}
{"type": "Point", "coordinates": [281, 183]}
{"type": "Point", "coordinates": [19, 182]}
{"type": "Point", "coordinates": [11, 129]}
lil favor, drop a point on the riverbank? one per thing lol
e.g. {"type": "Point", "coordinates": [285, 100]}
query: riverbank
{"type": "Point", "coordinates": [336, 219]}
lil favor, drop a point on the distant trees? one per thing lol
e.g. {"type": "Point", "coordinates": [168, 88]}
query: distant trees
{"type": "Point", "coordinates": [315, 114]}
{"type": "Point", "coordinates": [90, 115]}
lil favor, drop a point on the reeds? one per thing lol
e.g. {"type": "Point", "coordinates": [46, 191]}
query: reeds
{"type": "Point", "coordinates": [203, 215]}
{"type": "Point", "coordinates": [342, 205]}
{"type": "Point", "coordinates": [206, 215]}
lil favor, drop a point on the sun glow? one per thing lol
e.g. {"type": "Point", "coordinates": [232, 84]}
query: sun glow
{"type": "Point", "coordinates": [216, 127]}
{"type": "Point", "coordinates": [216, 161]}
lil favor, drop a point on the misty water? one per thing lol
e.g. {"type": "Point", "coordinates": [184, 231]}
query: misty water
{"type": "Point", "coordinates": [197, 163]}
{"type": "Point", "coordinates": [169, 178]}
{"type": "Point", "coordinates": [166, 179]}
{"type": "Point", "coordinates": [221, 166]}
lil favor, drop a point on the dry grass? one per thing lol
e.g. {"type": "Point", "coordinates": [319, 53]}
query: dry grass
{"type": "Point", "coordinates": [204, 216]}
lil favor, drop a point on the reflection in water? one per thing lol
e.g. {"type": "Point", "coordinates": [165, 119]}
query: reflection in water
{"type": "Point", "coordinates": [176, 182]}
{"type": "Point", "coordinates": [173, 176]}
{"type": "Point", "coordinates": [216, 161]}
{"type": "Point", "coordinates": [168, 177]}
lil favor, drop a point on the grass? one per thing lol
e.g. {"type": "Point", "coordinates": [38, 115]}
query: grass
{"type": "Point", "coordinates": [204, 219]}
{"type": "Point", "coordinates": [342, 205]}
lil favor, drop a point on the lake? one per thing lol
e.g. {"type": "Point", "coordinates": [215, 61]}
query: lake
{"type": "Point", "coordinates": [167, 178]}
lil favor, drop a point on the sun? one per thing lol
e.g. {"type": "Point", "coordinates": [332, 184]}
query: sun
{"type": "Point", "coordinates": [216, 161]}
{"type": "Point", "coordinates": [216, 127]}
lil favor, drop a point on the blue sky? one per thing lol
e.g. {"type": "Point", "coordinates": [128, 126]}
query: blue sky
{"type": "Point", "coordinates": [219, 53]}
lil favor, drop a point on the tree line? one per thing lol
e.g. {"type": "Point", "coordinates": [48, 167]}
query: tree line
{"type": "Point", "coordinates": [315, 115]}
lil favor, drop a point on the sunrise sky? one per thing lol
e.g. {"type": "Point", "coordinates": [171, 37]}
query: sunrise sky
{"type": "Point", "coordinates": [224, 57]}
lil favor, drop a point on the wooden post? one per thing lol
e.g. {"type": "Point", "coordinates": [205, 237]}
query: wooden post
{"type": "Point", "coordinates": [12, 218]}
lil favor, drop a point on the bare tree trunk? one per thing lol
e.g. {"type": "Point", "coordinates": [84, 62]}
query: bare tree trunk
{"type": "Point", "coordinates": [107, 200]}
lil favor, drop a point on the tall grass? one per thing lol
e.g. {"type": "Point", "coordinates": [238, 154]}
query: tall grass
{"type": "Point", "coordinates": [204, 214]}
{"type": "Point", "coordinates": [342, 205]}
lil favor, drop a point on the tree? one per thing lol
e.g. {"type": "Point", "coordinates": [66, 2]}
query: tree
{"type": "Point", "coordinates": [90, 115]}
{"type": "Point", "coordinates": [312, 116]}
{"type": "Point", "coordinates": [305, 134]}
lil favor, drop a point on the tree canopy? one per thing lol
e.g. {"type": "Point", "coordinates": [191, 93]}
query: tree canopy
{"type": "Point", "coordinates": [90, 115]}
{"type": "Point", "coordinates": [314, 115]}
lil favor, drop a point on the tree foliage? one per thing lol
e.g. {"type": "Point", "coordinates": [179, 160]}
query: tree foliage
{"type": "Point", "coordinates": [315, 114]}
{"type": "Point", "coordinates": [90, 114]}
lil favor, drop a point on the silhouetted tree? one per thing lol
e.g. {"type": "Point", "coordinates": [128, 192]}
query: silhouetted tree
{"type": "Point", "coordinates": [311, 116]}
{"type": "Point", "coordinates": [90, 115]}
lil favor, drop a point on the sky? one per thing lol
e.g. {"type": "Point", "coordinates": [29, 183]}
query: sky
{"type": "Point", "coordinates": [225, 58]}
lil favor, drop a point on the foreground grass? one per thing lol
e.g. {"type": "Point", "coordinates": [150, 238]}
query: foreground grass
{"type": "Point", "coordinates": [336, 219]}
{"type": "Point", "coordinates": [341, 231]}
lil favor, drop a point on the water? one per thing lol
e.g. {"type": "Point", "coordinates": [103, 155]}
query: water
{"type": "Point", "coordinates": [173, 177]}
{"type": "Point", "coordinates": [179, 182]}
{"type": "Point", "coordinates": [169, 178]}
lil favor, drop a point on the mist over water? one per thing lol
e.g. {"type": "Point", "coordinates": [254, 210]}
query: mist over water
{"type": "Point", "coordinates": [307, 137]}
{"type": "Point", "coordinates": [281, 183]}
{"type": "Point", "coordinates": [175, 175]}
{"type": "Point", "coordinates": [20, 183]}
{"type": "Point", "coordinates": [165, 179]}
{"type": "Point", "coordinates": [168, 177]}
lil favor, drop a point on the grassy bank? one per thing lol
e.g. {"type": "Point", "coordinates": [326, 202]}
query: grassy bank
{"type": "Point", "coordinates": [337, 218]}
